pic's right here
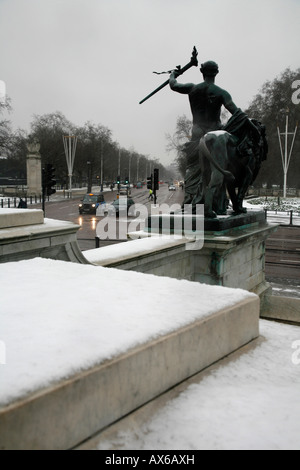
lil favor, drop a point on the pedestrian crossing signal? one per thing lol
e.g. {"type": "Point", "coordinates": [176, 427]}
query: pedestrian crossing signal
{"type": "Point", "coordinates": [48, 180]}
{"type": "Point", "coordinates": [149, 182]}
{"type": "Point", "coordinates": [156, 179]}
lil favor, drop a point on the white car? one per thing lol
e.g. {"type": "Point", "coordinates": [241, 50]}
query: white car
{"type": "Point", "coordinates": [172, 187]}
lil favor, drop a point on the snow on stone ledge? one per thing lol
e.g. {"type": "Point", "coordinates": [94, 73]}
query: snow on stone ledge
{"type": "Point", "coordinates": [123, 251]}
{"type": "Point", "coordinates": [20, 217]}
{"type": "Point", "coordinates": [58, 318]}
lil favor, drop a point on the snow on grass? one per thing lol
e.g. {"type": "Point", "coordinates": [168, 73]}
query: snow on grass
{"type": "Point", "coordinates": [271, 203]}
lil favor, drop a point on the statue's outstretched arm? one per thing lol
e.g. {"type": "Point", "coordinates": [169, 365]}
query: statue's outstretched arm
{"type": "Point", "coordinates": [184, 88]}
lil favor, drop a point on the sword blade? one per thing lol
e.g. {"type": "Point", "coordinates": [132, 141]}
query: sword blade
{"type": "Point", "coordinates": [155, 91]}
{"type": "Point", "coordinates": [193, 62]}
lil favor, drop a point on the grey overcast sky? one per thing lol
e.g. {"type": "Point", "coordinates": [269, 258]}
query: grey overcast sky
{"type": "Point", "coordinates": [93, 59]}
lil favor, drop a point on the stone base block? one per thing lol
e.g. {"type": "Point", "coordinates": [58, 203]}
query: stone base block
{"type": "Point", "coordinates": [25, 234]}
{"type": "Point", "coordinates": [20, 217]}
{"type": "Point", "coordinates": [236, 259]}
{"type": "Point", "coordinates": [63, 416]}
{"type": "Point", "coordinates": [188, 223]}
{"type": "Point", "coordinates": [286, 309]}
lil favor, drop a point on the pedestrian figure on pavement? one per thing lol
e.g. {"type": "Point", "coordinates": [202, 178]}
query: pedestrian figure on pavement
{"type": "Point", "coordinates": [22, 204]}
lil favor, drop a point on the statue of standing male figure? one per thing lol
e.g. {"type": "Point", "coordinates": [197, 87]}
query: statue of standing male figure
{"type": "Point", "coordinates": [208, 185]}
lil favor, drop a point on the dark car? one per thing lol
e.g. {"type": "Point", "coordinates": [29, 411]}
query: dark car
{"type": "Point", "coordinates": [90, 202]}
{"type": "Point", "coordinates": [121, 205]}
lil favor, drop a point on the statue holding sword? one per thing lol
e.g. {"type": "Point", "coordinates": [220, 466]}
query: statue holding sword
{"type": "Point", "coordinates": [206, 100]}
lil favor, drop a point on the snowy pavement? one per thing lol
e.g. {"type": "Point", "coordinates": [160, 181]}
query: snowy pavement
{"type": "Point", "coordinates": [248, 401]}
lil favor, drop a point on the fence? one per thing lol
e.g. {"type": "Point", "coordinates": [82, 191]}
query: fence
{"type": "Point", "coordinates": [274, 192]}
{"type": "Point", "coordinates": [8, 202]}
{"type": "Point", "coordinates": [290, 217]}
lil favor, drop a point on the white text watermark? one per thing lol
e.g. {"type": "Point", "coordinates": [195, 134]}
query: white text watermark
{"type": "Point", "coordinates": [296, 354]}
{"type": "Point", "coordinates": [2, 353]}
{"type": "Point", "coordinates": [296, 94]}
{"type": "Point", "coordinates": [165, 221]}
{"type": "Point", "coordinates": [2, 92]}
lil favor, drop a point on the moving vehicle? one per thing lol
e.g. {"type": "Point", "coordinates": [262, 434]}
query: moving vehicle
{"type": "Point", "coordinates": [125, 190]}
{"type": "Point", "coordinates": [119, 206]}
{"type": "Point", "coordinates": [90, 202]}
{"type": "Point", "coordinates": [172, 187]}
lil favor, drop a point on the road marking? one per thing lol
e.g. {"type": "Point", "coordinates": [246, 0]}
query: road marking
{"type": "Point", "coordinates": [283, 240]}
{"type": "Point", "coordinates": [289, 261]}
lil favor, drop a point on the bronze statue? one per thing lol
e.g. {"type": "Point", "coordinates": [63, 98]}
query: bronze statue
{"type": "Point", "coordinates": [208, 185]}
{"type": "Point", "coordinates": [206, 100]}
{"type": "Point", "coordinates": [219, 158]}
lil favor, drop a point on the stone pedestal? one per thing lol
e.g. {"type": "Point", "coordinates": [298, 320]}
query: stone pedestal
{"type": "Point", "coordinates": [34, 170]}
{"type": "Point", "coordinates": [25, 234]}
{"type": "Point", "coordinates": [235, 259]}
{"type": "Point", "coordinates": [232, 253]}
{"type": "Point", "coordinates": [187, 224]}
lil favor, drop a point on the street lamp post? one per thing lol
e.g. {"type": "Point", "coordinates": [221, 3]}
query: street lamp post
{"type": "Point", "coordinates": [89, 189]}
{"type": "Point", "coordinates": [137, 168]}
{"type": "Point", "coordinates": [101, 168]}
{"type": "Point", "coordinates": [119, 162]}
{"type": "Point", "coordinates": [285, 156]}
{"type": "Point", "coordinates": [70, 142]}
{"type": "Point", "coordinates": [129, 173]}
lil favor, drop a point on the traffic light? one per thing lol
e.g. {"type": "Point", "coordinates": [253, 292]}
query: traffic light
{"type": "Point", "coordinates": [156, 179]}
{"type": "Point", "coordinates": [127, 180]}
{"type": "Point", "coordinates": [48, 180]}
{"type": "Point", "coordinates": [149, 182]}
{"type": "Point", "coordinates": [118, 180]}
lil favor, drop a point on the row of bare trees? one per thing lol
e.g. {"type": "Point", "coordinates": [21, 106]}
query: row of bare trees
{"type": "Point", "coordinates": [94, 144]}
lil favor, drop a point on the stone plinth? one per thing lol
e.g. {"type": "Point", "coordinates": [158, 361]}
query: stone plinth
{"type": "Point", "coordinates": [10, 218]}
{"type": "Point", "coordinates": [25, 234]}
{"type": "Point", "coordinates": [236, 259]}
{"type": "Point", "coordinates": [34, 170]}
{"type": "Point", "coordinates": [280, 308]}
{"type": "Point", "coordinates": [233, 251]}
{"type": "Point", "coordinates": [178, 223]}
{"type": "Point", "coordinates": [71, 402]}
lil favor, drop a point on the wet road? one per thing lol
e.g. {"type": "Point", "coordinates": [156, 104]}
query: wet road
{"type": "Point", "coordinates": [283, 253]}
{"type": "Point", "coordinates": [67, 209]}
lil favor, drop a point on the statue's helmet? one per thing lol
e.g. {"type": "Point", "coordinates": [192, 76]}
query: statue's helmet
{"type": "Point", "coordinates": [209, 68]}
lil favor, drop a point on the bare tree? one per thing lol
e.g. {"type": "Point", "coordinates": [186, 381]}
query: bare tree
{"type": "Point", "coordinates": [5, 127]}
{"type": "Point", "coordinates": [176, 141]}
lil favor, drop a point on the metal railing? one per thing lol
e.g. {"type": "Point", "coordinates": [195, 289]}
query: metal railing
{"type": "Point", "coordinates": [290, 217]}
{"type": "Point", "coordinates": [13, 202]}
{"type": "Point", "coordinates": [274, 192]}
